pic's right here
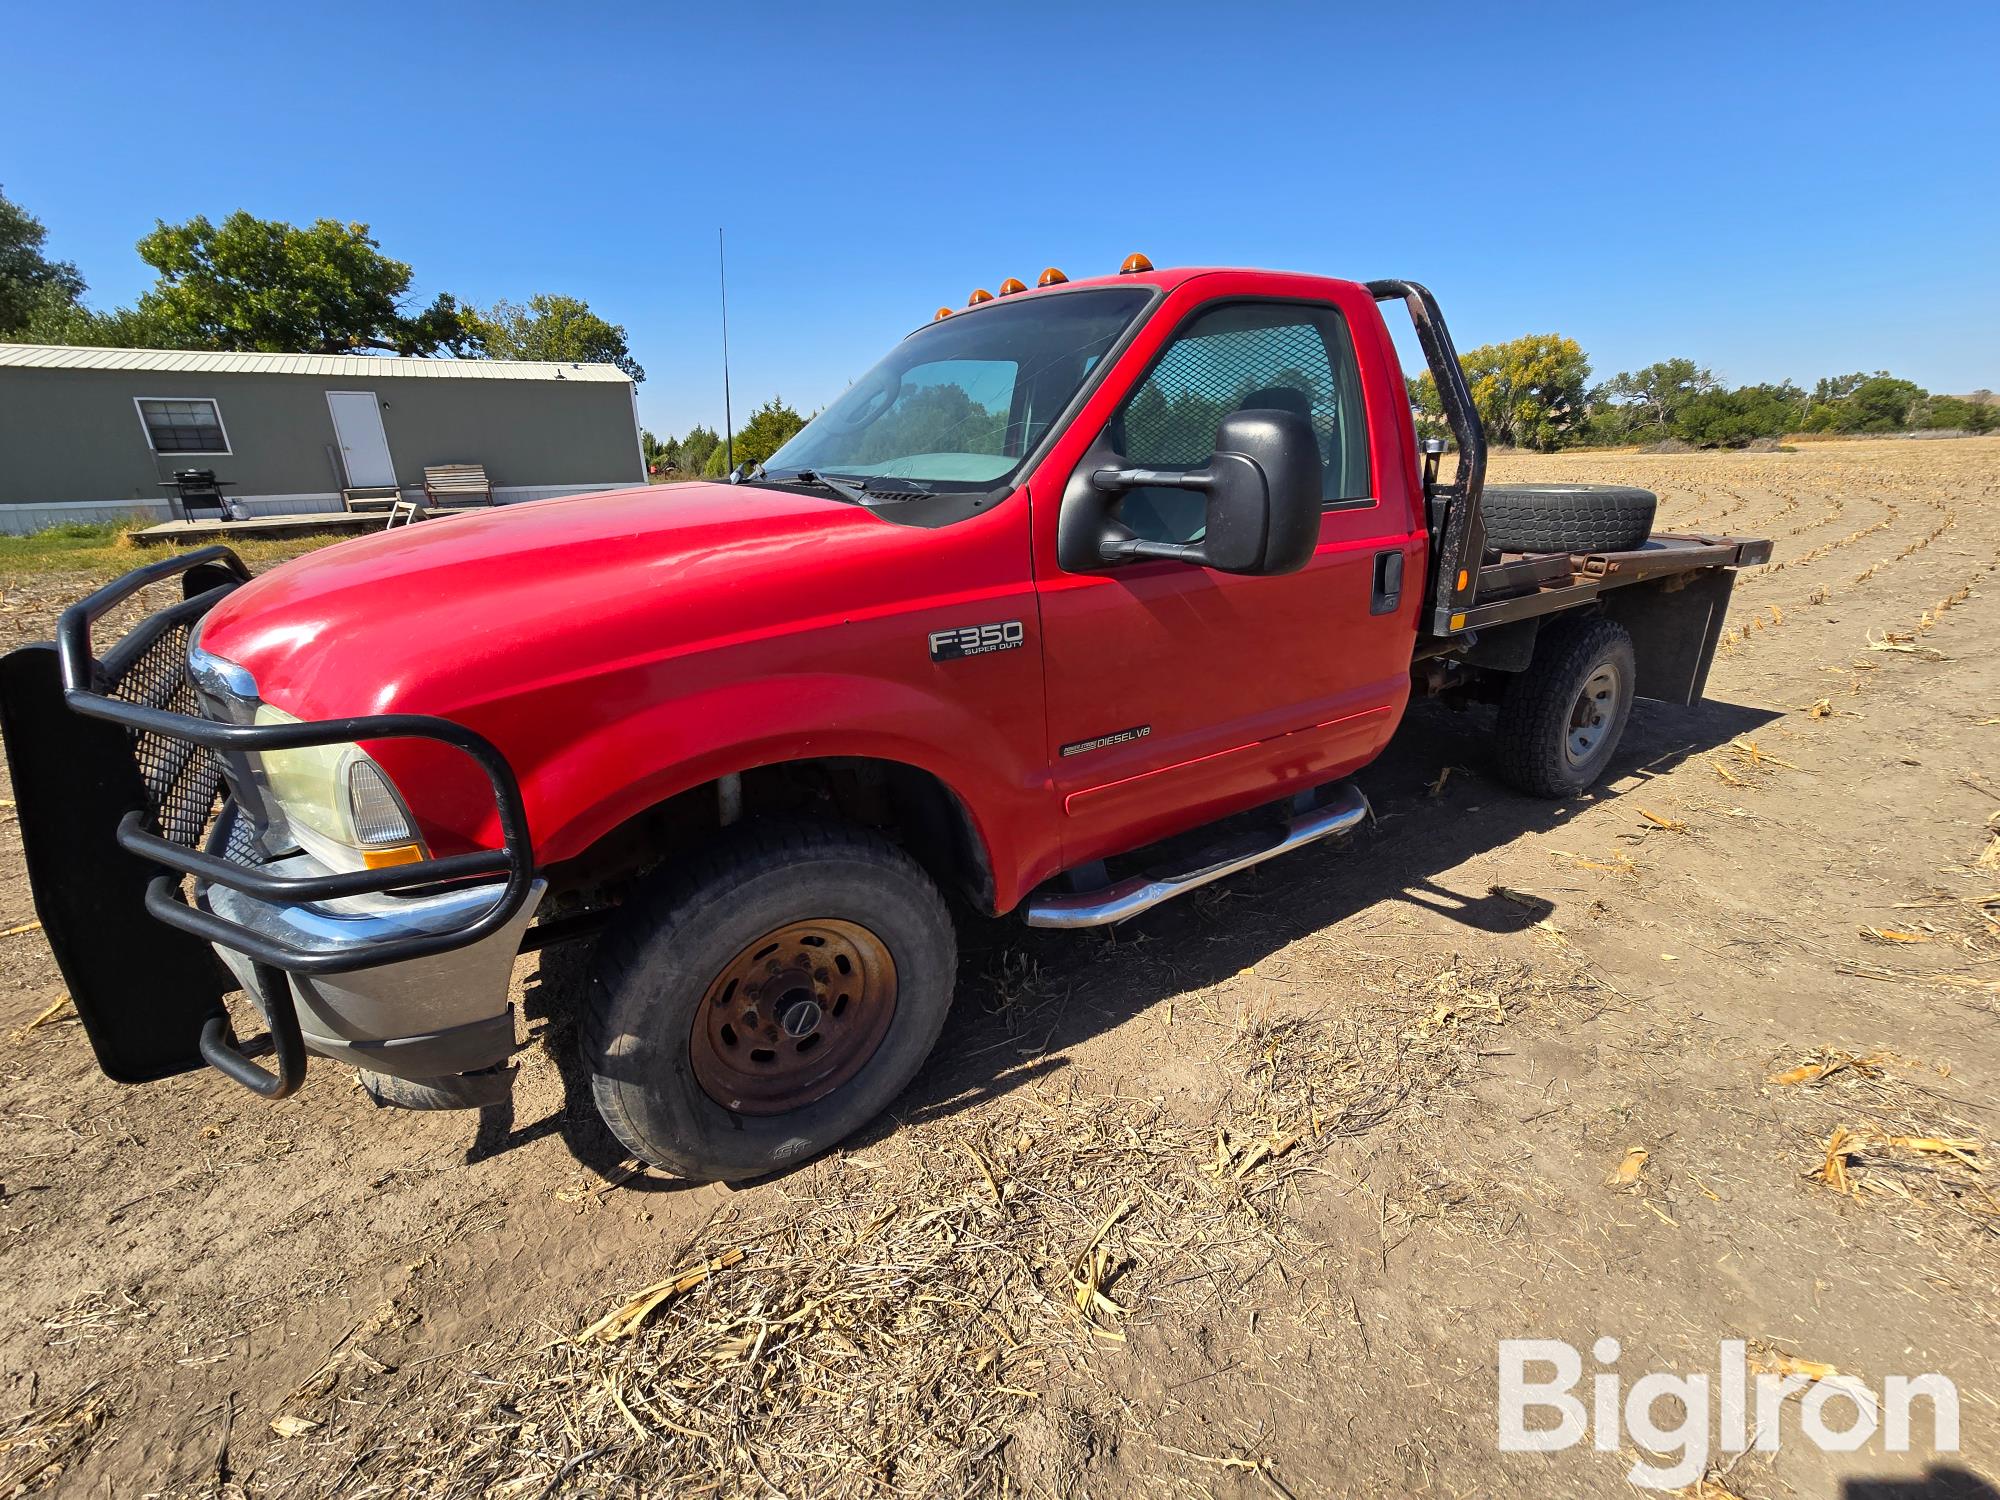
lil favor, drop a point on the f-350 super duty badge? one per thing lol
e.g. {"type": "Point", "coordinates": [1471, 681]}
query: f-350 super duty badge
{"type": "Point", "coordinates": [976, 640]}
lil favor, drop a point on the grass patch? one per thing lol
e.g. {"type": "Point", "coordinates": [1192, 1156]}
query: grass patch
{"type": "Point", "coordinates": [60, 546]}
{"type": "Point", "coordinates": [101, 547]}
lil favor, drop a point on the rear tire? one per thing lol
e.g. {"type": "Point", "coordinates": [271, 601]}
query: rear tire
{"type": "Point", "coordinates": [1567, 517]}
{"type": "Point", "coordinates": [668, 1030]}
{"type": "Point", "coordinates": [1561, 720]}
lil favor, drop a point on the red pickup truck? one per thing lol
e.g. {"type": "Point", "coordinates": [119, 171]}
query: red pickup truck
{"type": "Point", "coordinates": [1084, 596]}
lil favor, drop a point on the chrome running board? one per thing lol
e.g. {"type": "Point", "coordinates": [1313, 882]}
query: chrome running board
{"type": "Point", "coordinates": [1137, 893]}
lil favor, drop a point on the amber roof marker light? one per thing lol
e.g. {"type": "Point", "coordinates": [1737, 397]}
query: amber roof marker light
{"type": "Point", "coordinates": [1051, 277]}
{"type": "Point", "coordinates": [1012, 285]}
{"type": "Point", "coordinates": [1135, 263]}
{"type": "Point", "coordinates": [941, 315]}
{"type": "Point", "coordinates": [980, 295]}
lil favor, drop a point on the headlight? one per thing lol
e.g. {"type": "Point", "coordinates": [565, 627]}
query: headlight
{"type": "Point", "coordinates": [337, 802]}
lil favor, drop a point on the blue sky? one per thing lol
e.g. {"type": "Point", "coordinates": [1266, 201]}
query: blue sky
{"type": "Point", "coordinates": [1776, 191]}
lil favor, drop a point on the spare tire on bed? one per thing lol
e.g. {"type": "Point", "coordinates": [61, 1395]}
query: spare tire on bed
{"type": "Point", "coordinates": [1567, 517]}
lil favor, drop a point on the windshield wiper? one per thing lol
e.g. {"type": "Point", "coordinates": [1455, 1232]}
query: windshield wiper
{"type": "Point", "coordinates": [858, 494]}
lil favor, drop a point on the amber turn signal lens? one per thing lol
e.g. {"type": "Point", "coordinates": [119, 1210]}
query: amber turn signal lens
{"type": "Point", "coordinates": [1051, 277]}
{"type": "Point", "coordinates": [979, 296]}
{"type": "Point", "coordinates": [399, 854]}
{"type": "Point", "coordinates": [1012, 285]}
{"type": "Point", "coordinates": [942, 312]}
{"type": "Point", "coordinates": [1133, 263]}
{"type": "Point", "coordinates": [1463, 579]}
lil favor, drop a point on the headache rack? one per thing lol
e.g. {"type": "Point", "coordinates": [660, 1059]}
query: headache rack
{"type": "Point", "coordinates": [1472, 589]}
{"type": "Point", "coordinates": [119, 782]}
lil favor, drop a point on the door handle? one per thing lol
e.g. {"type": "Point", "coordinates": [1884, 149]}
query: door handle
{"type": "Point", "coordinates": [1387, 592]}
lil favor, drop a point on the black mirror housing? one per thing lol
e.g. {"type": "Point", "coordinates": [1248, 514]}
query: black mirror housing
{"type": "Point", "coordinates": [1263, 490]}
{"type": "Point", "coordinates": [1263, 513]}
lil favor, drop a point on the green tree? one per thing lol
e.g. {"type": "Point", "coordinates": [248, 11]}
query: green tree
{"type": "Point", "coordinates": [57, 320]}
{"type": "Point", "coordinates": [691, 452]}
{"type": "Point", "coordinates": [770, 427]}
{"type": "Point", "coordinates": [30, 283]}
{"type": "Point", "coordinates": [250, 283]}
{"type": "Point", "coordinates": [686, 455]}
{"type": "Point", "coordinates": [1529, 392]}
{"type": "Point", "coordinates": [552, 327]}
{"type": "Point", "coordinates": [1838, 387]}
{"type": "Point", "coordinates": [1425, 408]}
{"type": "Point", "coordinates": [1955, 413]}
{"type": "Point", "coordinates": [1880, 403]}
{"type": "Point", "coordinates": [1729, 419]}
{"type": "Point", "coordinates": [1865, 403]}
{"type": "Point", "coordinates": [1648, 400]}
{"type": "Point", "coordinates": [659, 456]}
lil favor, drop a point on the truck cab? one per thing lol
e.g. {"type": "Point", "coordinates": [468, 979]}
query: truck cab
{"type": "Point", "coordinates": [1083, 596]}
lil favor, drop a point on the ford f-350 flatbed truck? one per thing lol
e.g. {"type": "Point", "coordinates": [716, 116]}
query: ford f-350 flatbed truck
{"type": "Point", "coordinates": [1072, 574]}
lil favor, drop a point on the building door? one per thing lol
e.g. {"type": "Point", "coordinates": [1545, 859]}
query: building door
{"type": "Point", "coordinates": [364, 446]}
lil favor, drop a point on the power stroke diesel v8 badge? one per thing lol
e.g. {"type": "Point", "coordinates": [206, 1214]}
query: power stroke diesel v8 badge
{"type": "Point", "coordinates": [976, 640]}
{"type": "Point", "coordinates": [1105, 741]}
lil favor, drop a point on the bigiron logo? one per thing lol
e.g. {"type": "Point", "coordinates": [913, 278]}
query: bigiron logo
{"type": "Point", "coordinates": [976, 640]}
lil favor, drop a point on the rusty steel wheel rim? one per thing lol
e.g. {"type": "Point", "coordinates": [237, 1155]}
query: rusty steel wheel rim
{"type": "Point", "coordinates": [793, 1016]}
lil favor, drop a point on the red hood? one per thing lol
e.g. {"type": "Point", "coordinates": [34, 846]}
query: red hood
{"type": "Point", "coordinates": [460, 610]}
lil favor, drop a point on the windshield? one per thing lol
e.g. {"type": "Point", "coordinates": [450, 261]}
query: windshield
{"type": "Point", "coordinates": [958, 405]}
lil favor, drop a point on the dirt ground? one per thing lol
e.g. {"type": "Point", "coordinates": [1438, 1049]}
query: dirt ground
{"type": "Point", "coordinates": [1238, 1200]}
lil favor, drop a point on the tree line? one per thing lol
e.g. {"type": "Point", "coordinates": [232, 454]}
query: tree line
{"type": "Point", "coordinates": [258, 284]}
{"type": "Point", "coordinates": [261, 284]}
{"type": "Point", "coordinates": [1535, 392]}
{"type": "Point", "coordinates": [703, 453]}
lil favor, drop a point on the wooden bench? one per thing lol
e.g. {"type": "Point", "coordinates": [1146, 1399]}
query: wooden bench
{"type": "Point", "coordinates": [457, 484]}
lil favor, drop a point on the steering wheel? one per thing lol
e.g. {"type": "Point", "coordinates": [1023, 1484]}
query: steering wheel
{"type": "Point", "coordinates": [872, 406]}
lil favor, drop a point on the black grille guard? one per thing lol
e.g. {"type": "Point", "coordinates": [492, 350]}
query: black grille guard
{"type": "Point", "coordinates": [83, 676]}
{"type": "Point", "coordinates": [114, 819]}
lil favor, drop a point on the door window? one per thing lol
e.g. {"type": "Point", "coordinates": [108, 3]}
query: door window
{"type": "Point", "coordinates": [1239, 357]}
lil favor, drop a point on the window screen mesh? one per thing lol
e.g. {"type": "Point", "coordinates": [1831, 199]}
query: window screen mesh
{"type": "Point", "coordinates": [183, 426]}
{"type": "Point", "coordinates": [1171, 419]}
{"type": "Point", "coordinates": [1251, 355]}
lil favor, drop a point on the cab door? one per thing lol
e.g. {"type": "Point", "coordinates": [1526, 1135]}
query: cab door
{"type": "Point", "coordinates": [1177, 694]}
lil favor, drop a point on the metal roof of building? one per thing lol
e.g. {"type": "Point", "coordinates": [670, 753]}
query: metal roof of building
{"type": "Point", "coordinates": [342, 366]}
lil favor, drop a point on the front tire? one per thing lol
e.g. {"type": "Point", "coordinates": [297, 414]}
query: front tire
{"type": "Point", "coordinates": [765, 1003]}
{"type": "Point", "coordinates": [1561, 720]}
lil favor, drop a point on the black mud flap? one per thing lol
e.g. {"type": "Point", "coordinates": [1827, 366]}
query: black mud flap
{"type": "Point", "coordinates": [143, 989]}
{"type": "Point", "coordinates": [1675, 624]}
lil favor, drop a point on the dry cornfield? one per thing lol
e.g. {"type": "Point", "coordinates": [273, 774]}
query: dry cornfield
{"type": "Point", "coordinates": [1237, 1200]}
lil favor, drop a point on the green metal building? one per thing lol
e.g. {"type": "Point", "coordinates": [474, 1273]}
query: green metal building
{"type": "Point", "coordinates": [93, 434]}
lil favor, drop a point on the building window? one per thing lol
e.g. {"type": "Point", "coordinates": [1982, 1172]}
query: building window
{"type": "Point", "coordinates": [183, 424]}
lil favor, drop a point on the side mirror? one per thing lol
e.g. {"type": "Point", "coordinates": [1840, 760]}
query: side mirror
{"type": "Point", "coordinates": [1263, 487]}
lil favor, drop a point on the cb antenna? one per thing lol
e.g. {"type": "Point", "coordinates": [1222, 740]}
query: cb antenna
{"type": "Point", "coordinates": [728, 422]}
